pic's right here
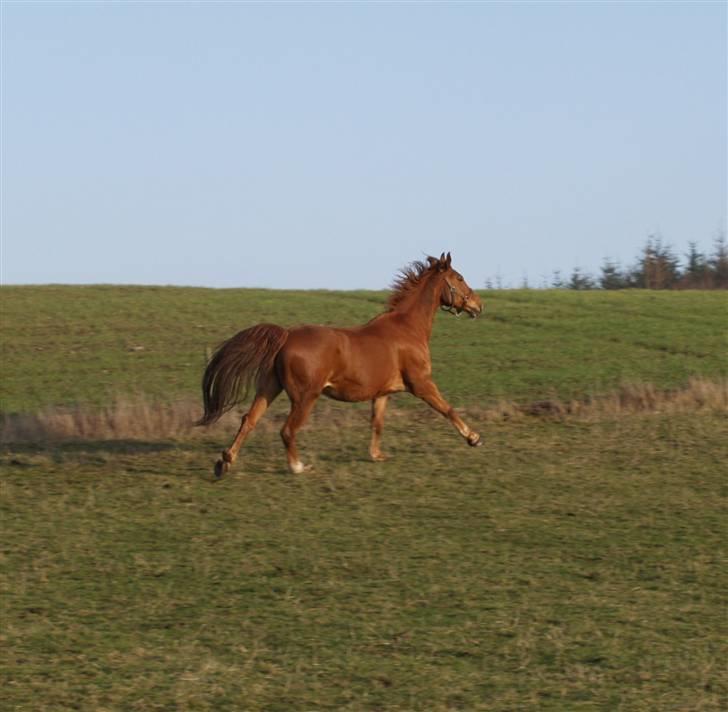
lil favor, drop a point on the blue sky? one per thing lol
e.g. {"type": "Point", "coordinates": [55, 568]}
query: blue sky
{"type": "Point", "coordinates": [327, 144]}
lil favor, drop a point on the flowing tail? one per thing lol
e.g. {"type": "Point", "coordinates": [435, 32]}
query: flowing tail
{"type": "Point", "coordinates": [236, 364]}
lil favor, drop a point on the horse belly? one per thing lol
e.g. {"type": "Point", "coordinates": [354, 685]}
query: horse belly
{"type": "Point", "coordinates": [353, 388]}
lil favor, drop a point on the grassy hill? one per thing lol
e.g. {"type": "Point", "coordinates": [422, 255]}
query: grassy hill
{"type": "Point", "coordinates": [85, 345]}
{"type": "Point", "coordinates": [571, 563]}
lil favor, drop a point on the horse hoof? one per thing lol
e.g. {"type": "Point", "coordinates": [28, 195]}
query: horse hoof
{"type": "Point", "coordinates": [476, 441]}
{"type": "Point", "coordinates": [379, 457]}
{"type": "Point", "coordinates": [221, 467]}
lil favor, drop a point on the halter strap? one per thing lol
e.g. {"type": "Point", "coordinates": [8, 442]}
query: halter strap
{"type": "Point", "coordinates": [451, 308]}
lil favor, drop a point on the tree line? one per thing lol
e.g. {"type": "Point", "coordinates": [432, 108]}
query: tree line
{"type": "Point", "coordinates": [657, 266]}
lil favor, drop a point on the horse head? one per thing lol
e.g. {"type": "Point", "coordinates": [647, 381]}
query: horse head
{"type": "Point", "coordinates": [456, 295]}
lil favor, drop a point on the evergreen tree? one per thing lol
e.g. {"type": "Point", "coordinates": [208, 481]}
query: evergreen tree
{"type": "Point", "coordinates": [612, 276]}
{"type": "Point", "coordinates": [669, 267]}
{"type": "Point", "coordinates": [580, 281]}
{"type": "Point", "coordinates": [657, 267]}
{"type": "Point", "coordinates": [696, 274]}
{"type": "Point", "coordinates": [557, 281]}
{"type": "Point", "coordinates": [718, 263]}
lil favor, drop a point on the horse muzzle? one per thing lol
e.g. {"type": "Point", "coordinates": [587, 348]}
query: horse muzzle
{"type": "Point", "coordinates": [473, 309]}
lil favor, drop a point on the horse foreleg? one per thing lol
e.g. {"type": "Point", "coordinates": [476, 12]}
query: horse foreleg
{"type": "Point", "coordinates": [429, 392]}
{"type": "Point", "coordinates": [378, 407]}
{"type": "Point", "coordinates": [300, 410]}
{"type": "Point", "coordinates": [265, 395]}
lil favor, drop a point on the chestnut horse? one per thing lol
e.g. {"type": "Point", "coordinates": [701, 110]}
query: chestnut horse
{"type": "Point", "coordinates": [388, 354]}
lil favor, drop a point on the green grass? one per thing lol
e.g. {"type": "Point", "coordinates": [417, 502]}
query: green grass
{"type": "Point", "coordinates": [562, 566]}
{"type": "Point", "coordinates": [78, 345]}
{"type": "Point", "coordinates": [572, 564]}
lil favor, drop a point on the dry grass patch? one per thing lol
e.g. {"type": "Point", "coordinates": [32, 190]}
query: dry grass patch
{"type": "Point", "coordinates": [699, 395]}
{"type": "Point", "coordinates": [140, 419]}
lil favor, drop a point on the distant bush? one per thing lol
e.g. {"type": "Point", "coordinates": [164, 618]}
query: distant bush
{"type": "Point", "coordinates": [657, 267]}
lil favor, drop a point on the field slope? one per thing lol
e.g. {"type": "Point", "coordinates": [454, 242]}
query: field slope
{"type": "Point", "coordinates": [71, 345]}
{"type": "Point", "coordinates": [574, 562]}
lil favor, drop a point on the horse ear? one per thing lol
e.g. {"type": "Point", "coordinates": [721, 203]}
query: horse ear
{"type": "Point", "coordinates": [448, 261]}
{"type": "Point", "coordinates": [442, 257]}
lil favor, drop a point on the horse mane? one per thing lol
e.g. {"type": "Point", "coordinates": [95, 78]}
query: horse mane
{"type": "Point", "coordinates": [406, 281]}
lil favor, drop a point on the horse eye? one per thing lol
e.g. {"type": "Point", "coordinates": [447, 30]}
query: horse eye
{"type": "Point", "coordinates": [460, 277]}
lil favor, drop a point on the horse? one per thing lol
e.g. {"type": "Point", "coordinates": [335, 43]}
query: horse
{"type": "Point", "coordinates": [388, 354]}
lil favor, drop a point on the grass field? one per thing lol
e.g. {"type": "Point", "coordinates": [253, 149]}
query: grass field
{"type": "Point", "coordinates": [69, 345]}
{"type": "Point", "coordinates": [572, 562]}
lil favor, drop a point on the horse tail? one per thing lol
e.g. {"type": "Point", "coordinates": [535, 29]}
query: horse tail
{"type": "Point", "coordinates": [236, 364]}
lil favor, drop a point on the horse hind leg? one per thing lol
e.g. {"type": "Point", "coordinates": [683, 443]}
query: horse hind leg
{"type": "Point", "coordinates": [266, 393]}
{"type": "Point", "coordinates": [300, 410]}
{"type": "Point", "coordinates": [378, 407]}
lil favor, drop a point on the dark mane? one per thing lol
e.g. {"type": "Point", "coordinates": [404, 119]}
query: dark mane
{"type": "Point", "coordinates": [405, 282]}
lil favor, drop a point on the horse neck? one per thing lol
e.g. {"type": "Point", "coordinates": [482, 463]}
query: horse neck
{"type": "Point", "coordinates": [420, 308]}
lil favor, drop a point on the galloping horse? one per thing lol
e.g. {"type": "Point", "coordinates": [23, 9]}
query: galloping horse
{"type": "Point", "coordinates": [386, 355]}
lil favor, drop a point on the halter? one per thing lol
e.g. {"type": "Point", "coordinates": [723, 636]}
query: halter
{"type": "Point", "coordinates": [451, 308]}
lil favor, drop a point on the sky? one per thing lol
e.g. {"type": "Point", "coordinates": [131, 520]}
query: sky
{"type": "Point", "coordinates": [325, 145]}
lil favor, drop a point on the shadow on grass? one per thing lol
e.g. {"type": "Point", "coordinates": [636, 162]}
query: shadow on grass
{"type": "Point", "coordinates": [110, 457]}
{"type": "Point", "coordinates": [111, 447]}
